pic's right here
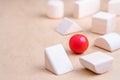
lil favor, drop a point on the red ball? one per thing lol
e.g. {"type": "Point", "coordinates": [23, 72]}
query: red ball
{"type": "Point", "coordinates": [78, 43]}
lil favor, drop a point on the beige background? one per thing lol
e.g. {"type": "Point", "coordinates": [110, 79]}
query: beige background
{"type": "Point", "coordinates": [25, 32]}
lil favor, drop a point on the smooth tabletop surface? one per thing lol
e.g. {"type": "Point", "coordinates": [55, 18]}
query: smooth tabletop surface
{"type": "Point", "coordinates": [25, 32]}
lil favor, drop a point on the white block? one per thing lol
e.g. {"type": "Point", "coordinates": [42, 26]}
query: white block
{"type": "Point", "coordinates": [55, 9]}
{"type": "Point", "coordinates": [108, 42]}
{"type": "Point", "coordinates": [56, 60]}
{"type": "Point", "coordinates": [97, 62]}
{"type": "Point", "coordinates": [68, 26]}
{"type": "Point", "coordinates": [114, 7]}
{"type": "Point", "coordinates": [103, 23]}
{"type": "Point", "coordinates": [104, 5]}
{"type": "Point", "coordinates": [83, 8]}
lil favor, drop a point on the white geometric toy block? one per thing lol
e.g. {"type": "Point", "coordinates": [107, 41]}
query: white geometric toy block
{"type": "Point", "coordinates": [56, 60]}
{"type": "Point", "coordinates": [97, 62]}
{"type": "Point", "coordinates": [103, 23]}
{"type": "Point", "coordinates": [104, 5]}
{"type": "Point", "coordinates": [83, 8]}
{"type": "Point", "coordinates": [108, 42]}
{"type": "Point", "coordinates": [114, 7]}
{"type": "Point", "coordinates": [68, 26]}
{"type": "Point", "coordinates": [55, 9]}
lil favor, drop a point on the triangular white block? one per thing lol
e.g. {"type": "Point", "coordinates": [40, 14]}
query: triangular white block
{"type": "Point", "coordinates": [97, 62]}
{"type": "Point", "coordinates": [83, 8]}
{"type": "Point", "coordinates": [113, 7]}
{"type": "Point", "coordinates": [108, 42]}
{"type": "Point", "coordinates": [68, 26]}
{"type": "Point", "coordinates": [56, 60]}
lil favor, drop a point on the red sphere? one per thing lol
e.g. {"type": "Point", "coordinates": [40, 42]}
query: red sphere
{"type": "Point", "coordinates": [78, 43]}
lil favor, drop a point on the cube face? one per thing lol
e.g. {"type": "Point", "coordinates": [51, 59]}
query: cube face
{"type": "Point", "coordinates": [55, 9]}
{"type": "Point", "coordinates": [57, 60]}
{"type": "Point", "coordinates": [112, 24]}
{"type": "Point", "coordinates": [97, 62]}
{"type": "Point", "coordinates": [83, 8]}
{"type": "Point", "coordinates": [114, 6]}
{"type": "Point", "coordinates": [103, 23]}
{"type": "Point", "coordinates": [76, 10]}
{"type": "Point", "coordinates": [103, 15]}
{"type": "Point", "coordinates": [99, 26]}
{"type": "Point", "coordinates": [79, 6]}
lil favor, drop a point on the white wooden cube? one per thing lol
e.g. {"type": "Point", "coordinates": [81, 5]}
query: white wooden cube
{"type": "Point", "coordinates": [56, 60]}
{"type": "Point", "coordinates": [97, 62]}
{"type": "Point", "coordinates": [114, 7]}
{"type": "Point", "coordinates": [103, 23]}
{"type": "Point", "coordinates": [68, 26]}
{"type": "Point", "coordinates": [83, 8]}
{"type": "Point", "coordinates": [110, 42]}
{"type": "Point", "coordinates": [55, 9]}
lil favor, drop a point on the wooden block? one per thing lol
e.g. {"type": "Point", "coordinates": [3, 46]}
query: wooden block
{"type": "Point", "coordinates": [83, 8]}
{"type": "Point", "coordinates": [55, 9]}
{"type": "Point", "coordinates": [114, 6]}
{"type": "Point", "coordinates": [68, 26]}
{"type": "Point", "coordinates": [97, 62]}
{"type": "Point", "coordinates": [103, 23]}
{"type": "Point", "coordinates": [108, 42]}
{"type": "Point", "coordinates": [56, 60]}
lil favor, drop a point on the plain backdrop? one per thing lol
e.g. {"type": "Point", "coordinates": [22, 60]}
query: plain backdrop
{"type": "Point", "coordinates": [25, 32]}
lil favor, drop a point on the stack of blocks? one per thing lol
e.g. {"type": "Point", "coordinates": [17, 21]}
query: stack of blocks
{"type": "Point", "coordinates": [102, 23]}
